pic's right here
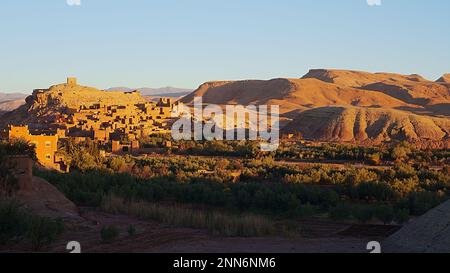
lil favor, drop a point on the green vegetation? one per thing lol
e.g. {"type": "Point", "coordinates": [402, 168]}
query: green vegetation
{"type": "Point", "coordinates": [202, 192]}
{"type": "Point", "coordinates": [265, 187]}
{"type": "Point", "coordinates": [43, 231]}
{"type": "Point", "coordinates": [131, 230]}
{"type": "Point", "coordinates": [18, 224]}
{"type": "Point", "coordinates": [109, 234]}
{"type": "Point", "coordinates": [217, 222]}
{"type": "Point", "coordinates": [81, 156]}
{"type": "Point", "coordinates": [245, 149]}
{"type": "Point", "coordinates": [376, 155]}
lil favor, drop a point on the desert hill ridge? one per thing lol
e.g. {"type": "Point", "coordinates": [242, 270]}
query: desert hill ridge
{"type": "Point", "coordinates": [11, 96]}
{"type": "Point", "coordinates": [369, 125]}
{"type": "Point", "coordinates": [322, 87]}
{"type": "Point", "coordinates": [444, 79]}
{"type": "Point", "coordinates": [347, 106]}
{"type": "Point", "coordinates": [353, 78]}
{"type": "Point", "coordinates": [8, 106]}
{"type": "Point", "coordinates": [163, 91]}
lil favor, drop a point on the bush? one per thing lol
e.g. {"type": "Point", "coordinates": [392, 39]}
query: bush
{"type": "Point", "coordinates": [218, 223]}
{"type": "Point", "coordinates": [385, 214]}
{"type": "Point", "coordinates": [43, 231]}
{"type": "Point", "coordinates": [421, 202]}
{"type": "Point", "coordinates": [340, 212]}
{"type": "Point", "coordinates": [17, 224]}
{"type": "Point", "coordinates": [13, 222]}
{"type": "Point", "coordinates": [401, 216]}
{"type": "Point", "coordinates": [363, 214]}
{"type": "Point", "coordinates": [109, 234]}
{"type": "Point", "coordinates": [131, 230]}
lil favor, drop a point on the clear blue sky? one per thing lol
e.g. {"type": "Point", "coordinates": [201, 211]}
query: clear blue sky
{"type": "Point", "coordinates": [184, 43]}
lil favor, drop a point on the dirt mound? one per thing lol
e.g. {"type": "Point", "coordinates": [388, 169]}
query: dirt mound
{"type": "Point", "coordinates": [356, 124]}
{"type": "Point", "coordinates": [45, 200]}
{"type": "Point", "coordinates": [427, 234]}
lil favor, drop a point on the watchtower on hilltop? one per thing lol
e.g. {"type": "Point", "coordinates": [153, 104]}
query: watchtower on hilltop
{"type": "Point", "coordinates": [71, 81]}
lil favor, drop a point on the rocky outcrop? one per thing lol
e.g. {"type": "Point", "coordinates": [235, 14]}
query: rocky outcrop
{"type": "Point", "coordinates": [36, 194]}
{"type": "Point", "coordinates": [429, 233]}
{"type": "Point", "coordinates": [47, 104]}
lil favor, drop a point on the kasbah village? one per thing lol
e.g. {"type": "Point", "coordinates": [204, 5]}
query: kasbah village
{"type": "Point", "coordinates": [116, 120]}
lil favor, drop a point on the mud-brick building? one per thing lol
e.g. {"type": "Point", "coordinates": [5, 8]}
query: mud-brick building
{"type": "Point", "coordinates": [46, 146]}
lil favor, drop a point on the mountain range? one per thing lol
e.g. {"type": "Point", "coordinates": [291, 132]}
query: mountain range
{"type": "Point", "coordinates": [347, 106]}
{"type": "Point", "coordinates": [156, 92]}
{"type": "Point", "coordinates": [11, 101]}
{"type": "Point", "coordinates": [11, 96]}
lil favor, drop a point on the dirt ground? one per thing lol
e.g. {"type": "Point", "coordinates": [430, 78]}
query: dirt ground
{"type": "Point", "coordinates": [152, 237]}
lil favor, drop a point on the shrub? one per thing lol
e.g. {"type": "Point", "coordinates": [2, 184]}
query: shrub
{"type": "Point", "coordinates": [340, 212]}
{"type": "Point", "coordinates": [385, 214]}
{"type": "Point", "coordinates": [131, 230]}
{"type": "Point", "coordinates": [43, 231]}
{"type": "Point", "coordinates": [363, 214]}
{"type": "Point", "coordinates": [109, 234]}
{"type": "Point", "coordinates": [13, 222]}
{"type": "Point", "coordinates": [218, 223]}
{"type": "Point", "coordinates": [401, 216]}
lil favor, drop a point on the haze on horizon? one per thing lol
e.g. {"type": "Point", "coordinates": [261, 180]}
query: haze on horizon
{"type": "Point", "coordinates": [185, 43]}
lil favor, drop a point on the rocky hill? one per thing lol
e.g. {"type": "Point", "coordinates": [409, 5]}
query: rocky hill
{"type": "Point", "coordinates": [292, 94]}
{"type": "Point", "coordinates": [46, 104]}
{"type": "Point", "coordinates": [429, 233]}
{"type": "Point", "coordinates": [321, 88]}
{"type": "Point", "coordinates": [343, 105]}
{"type": "Point", "coordinates": [369, 125]}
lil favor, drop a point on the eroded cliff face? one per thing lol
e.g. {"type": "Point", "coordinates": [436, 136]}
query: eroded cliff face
{"type": "Point", "coordinates": [371, 126]}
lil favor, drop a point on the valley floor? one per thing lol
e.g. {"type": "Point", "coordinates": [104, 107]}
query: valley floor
{"type": "Point", "coordinates": [152, 237]}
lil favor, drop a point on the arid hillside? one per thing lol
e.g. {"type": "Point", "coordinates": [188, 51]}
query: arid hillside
{"type": "Point", "coordinates": [322, 87]}
{"type": "Point", "coordinates": [444, 79]}
{"type": "Point", "coordinates": [155, 92]}
{"type": "Point", "coordinates": [344, 105]}
{"type": "Point", "coordinates": [370, 125]}
{"type": "Point", "coordinates": [47, 104]}
{"type": "Point", "coordinates": [292, 94]}
{"type": "Point", "coordinates": [7, 106]}
{"type": "Point", "coordinates": [11, 96]}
